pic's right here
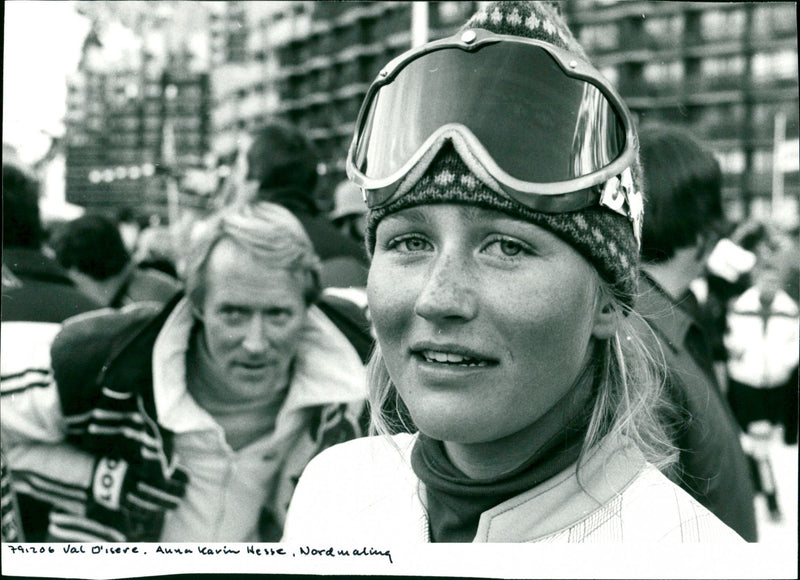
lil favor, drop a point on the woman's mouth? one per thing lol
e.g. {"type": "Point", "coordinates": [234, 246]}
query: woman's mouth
{"type": "Point", "coordinates": [449, 358]}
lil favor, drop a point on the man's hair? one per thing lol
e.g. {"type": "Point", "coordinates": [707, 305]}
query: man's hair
{"type": "Point", "coordinates": [683, 198]}
{"type": "Point", "coordinates": [266, 231]}
{"type": "Point", "coordinates": [93, 245]}
{"type": "Point", "coordinates": [22, 224]}
{"type": "Point", "coordinates": [282, 158]}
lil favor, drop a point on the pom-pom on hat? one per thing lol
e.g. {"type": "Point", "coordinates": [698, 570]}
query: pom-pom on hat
{"type": "Point", "coordinates": [605, 238]}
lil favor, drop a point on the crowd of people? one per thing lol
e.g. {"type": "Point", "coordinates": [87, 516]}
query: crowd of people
{"type": "Point", "coordinates": [527, 318]}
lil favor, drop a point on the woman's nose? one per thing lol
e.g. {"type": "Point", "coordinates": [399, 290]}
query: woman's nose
{"type": "Point", "coordinates": [447, 292]}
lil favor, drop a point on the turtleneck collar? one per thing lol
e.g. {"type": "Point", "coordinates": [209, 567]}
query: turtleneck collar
{"type": "Point", "coordinates": [456, 501]}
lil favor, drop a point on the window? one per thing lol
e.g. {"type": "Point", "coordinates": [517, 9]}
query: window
{"type": "Point", "coordinates": [732, 161]}
{"type": "Point", "coordinates": [771, 19]}
{"type": "Point", "coordinates": [612, 75]}
{"type": "Point", "coordinates": [762, 161]}
{"type": "Point", "coordinates": [722, 67]}
{"type": "Point", "coordinates": [719, 24]}
{"type": "Point", "coordinates": [775, 65]}
{"type": "Point", "coordinates": [663, 73]}
{"type": "Point", "coordinates": [665, 30]}
{"type": "Point", "coordinates": [599, 36]}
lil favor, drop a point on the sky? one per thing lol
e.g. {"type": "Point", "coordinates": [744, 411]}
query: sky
{"type": "Point", "coordinates": [42, 45]}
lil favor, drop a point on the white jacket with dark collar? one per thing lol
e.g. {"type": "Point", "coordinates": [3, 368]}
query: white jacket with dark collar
{"type": "Point", "coordinates": [366, 491]}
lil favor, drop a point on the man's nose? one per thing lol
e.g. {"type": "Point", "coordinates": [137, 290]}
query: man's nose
{"type": "Point", "coordinates": [447, 292]}
{"type": "Point", "coordinates": [255, 338]}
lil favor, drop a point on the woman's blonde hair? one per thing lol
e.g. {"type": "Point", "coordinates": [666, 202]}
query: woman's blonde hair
{"type": "Point", "coordinates": [629, 390]}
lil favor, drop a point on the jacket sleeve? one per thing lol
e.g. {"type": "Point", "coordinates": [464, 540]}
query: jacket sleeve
{"type": "Point", "coordinates": [43, 465]}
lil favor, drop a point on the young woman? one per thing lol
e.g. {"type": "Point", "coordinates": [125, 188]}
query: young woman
{"type": "Point", "coordinates": [504, 221]}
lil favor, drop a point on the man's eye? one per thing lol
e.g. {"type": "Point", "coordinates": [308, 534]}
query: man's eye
{"type": "Point", "coordinates": [279, 316]}
{"type": "Point", "coordinates": [232, 315]}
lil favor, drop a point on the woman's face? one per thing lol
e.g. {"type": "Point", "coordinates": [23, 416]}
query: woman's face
{"type": "Point", "coordinates": [484, 320]}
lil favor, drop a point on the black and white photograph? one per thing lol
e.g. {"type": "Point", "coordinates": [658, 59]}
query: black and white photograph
{"type": "Point", "coordinates": [501, 289]}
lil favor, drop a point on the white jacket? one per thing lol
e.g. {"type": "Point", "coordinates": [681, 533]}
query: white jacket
{"type": "Point", "coordinates": [762, 354]}
{"type": "Point", "coordinates": [365, 490]}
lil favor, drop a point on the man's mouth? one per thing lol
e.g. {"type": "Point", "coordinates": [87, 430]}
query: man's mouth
{"type": "Point", "coordinates": [251, 365]}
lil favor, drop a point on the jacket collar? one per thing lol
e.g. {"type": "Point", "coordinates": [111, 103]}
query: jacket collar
{"type": "Point", "coordinates": [670, 320]}
{"type": "Point", "coordinates": [566, 498]}
{"type": "Point", "coordinates": [32, 263]}
{"type": "Point", "coordinates": [292, 198]}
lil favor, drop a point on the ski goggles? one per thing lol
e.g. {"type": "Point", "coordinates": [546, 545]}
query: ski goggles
{"type": "Point", "coordinates": [535, 122]}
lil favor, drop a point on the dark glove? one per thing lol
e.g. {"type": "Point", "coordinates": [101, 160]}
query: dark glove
{"type": "Point", "coordinates": [133, 498]}
{"type": "Point", "coordinates": [143, 489]}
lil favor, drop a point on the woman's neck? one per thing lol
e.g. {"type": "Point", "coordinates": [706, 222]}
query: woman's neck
{"type": "Point", "coordinates": [494, 458]}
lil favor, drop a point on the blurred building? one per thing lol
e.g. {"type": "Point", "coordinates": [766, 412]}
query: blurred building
{"type": "Point", "coordinates": [725, 70]}
{"type": "Point", "coordinates": [198, 77]}
{"type": "Point", "coordinates": [138, 107]}
{"type": "Point", "coordinates": [312, 63]}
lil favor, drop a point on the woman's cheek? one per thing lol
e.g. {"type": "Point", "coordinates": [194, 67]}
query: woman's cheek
{"type": "Point", "coordinates": [387, 294]}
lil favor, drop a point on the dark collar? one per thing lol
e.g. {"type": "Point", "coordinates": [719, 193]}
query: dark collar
{"type": "Point", "coordinates": [292, 198]}
{"type": "Point", "coordinates": [663, 312]}
{"type": "Point", "coordinates": [32, 263]}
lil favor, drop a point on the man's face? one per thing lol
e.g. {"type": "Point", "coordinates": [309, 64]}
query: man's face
{"type": "Point", "coordinates": [252, 322]}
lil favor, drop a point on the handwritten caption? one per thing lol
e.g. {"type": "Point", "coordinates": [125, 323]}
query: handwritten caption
{"type": "Point", "coordinates": [206, 550]}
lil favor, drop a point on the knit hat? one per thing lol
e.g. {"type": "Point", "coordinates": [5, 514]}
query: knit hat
{"type": "Point", "coordinates": [605, 238]}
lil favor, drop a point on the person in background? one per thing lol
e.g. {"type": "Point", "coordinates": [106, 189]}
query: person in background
{"type": "Point", "coordinates": [36, 288]}
{"type": "Point", "coordinates": [684, 209]}
{"type": "Point", "coordinates": [282, 166]}
{"type": "Point", "coordinates": [501, 173]}
{"type": "Point", "coordinates": [129, 228]}
{"type": "Point", "coordinates": [349, 211]}
{"type": "Point", "coordinates": [38, 296]}
{"type": "Point", "coordinates": [155, 251]}
{"type": "Point", "coordinates": [762, 342]}
{"type": "Point", "coordinates": [191, 422]}
{"type": "Point", "coordinates": [94, 255]}
{"type": "Point", "coordinates": [11, 520]}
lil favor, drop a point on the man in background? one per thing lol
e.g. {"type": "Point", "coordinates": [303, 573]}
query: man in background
{"type": "Point", "coordinates": [38, 296]}
{"type": "Point", "coordinates": [35, 287]}
{"type": "Point", "coordinates": [349, 212]}
{"type": "Point", "coordinates": [282, 165]}
{"type": "Point", "coordinates": [683, 211]}
{"type": "Point", "coordinates": [92, 251]}
{"type": "Point", "coordinates": [192, 422]}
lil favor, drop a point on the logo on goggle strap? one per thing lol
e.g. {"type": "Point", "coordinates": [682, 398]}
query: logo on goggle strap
{"type": "Point", "coordinates": [620, 195]}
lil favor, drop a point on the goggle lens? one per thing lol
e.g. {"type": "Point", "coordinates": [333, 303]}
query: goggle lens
{"type": "Point", "coordinates": [537, 123]}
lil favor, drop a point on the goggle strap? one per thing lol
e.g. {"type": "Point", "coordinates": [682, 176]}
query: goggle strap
{"type": "Point", "coordinates": [620, 195]}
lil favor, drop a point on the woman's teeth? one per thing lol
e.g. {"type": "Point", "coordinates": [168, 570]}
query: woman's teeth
{"type": "Point", "coordinates": [451, 358]}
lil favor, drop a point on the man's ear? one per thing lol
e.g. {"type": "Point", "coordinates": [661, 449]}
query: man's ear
{"type": "Point", "coordinates": [605, 318]}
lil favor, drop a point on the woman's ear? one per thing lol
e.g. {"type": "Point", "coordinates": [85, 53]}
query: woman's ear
{"type": "Point", "coordinates": [605, 318]}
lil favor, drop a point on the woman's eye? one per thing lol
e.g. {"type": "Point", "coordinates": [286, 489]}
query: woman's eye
{"type": "Point", "coordinates": [507, 248]}
{"type": "Point", "coordinates": [409, 244]}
